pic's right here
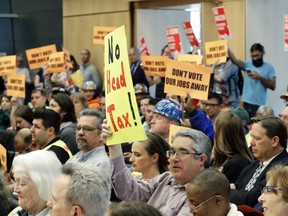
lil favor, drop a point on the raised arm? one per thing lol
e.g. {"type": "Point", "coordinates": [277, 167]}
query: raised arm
{"type": "Point", "coordinates": [236, 61]}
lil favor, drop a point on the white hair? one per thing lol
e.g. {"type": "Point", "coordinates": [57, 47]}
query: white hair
{"type": "Point", "coordinates": [42, 167]}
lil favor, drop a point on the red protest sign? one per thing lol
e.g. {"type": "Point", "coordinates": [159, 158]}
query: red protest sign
{"type": "Point", "coordinates": [286, 32]}
{"type": "Point", "coordinates": [221, 22]}
{"type": "Point", "coordinates": [143, 48]}
{"type": "Point", "coordinates": [190, 34]}
{"type": "Point", "coordinates": [173, 38]}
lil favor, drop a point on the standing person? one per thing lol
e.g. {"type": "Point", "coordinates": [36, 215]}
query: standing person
{"type": "Point", "coordinates": [225, 81]}
{"type": "Point", "coordinates": [88, 69]}
{"type": "Point", "coordinates": [269, 141]}
{"type": "Point", "coordinates": [259, 77]}
{"type": "Point", "coordinates": [137, 72]}
{"type": "Point", "coordinates": [158, 80]}
{"type": "Point", "coordinates": [230, 154]}
{"type": "Point", "coordinates": [21, 69]}
{"type": "Point", "coordinates": [74, 75]}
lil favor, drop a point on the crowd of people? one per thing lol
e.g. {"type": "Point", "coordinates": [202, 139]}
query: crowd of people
{"type": "Point", "coordinates": [225, 160]}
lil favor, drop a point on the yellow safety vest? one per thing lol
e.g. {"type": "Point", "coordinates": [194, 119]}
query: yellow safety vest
{"type": "Point", "coordinates": [60, 144]}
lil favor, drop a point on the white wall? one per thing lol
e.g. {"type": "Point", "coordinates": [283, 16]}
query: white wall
{"type": "Point", "coordinates": [151, 25]}
{"type": "Point", "coordinates": [264, 24]}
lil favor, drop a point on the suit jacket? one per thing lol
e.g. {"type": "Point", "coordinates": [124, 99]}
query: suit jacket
{"type": "Point", "coordinates": [242, 197]}
{"type": "Point", "coordinates": [139, 76]}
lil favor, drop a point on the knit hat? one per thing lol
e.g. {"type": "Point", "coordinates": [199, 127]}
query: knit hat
{"type": "Point", "coordinates": [242, 114]}
{"type": "Point", "coordinates": [170, 109]}
{"type": "Point", "coordinates": [89, 85]}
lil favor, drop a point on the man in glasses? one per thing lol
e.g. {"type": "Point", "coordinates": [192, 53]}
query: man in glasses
{"type": "Point", "coordinates": [208, 194]}
{"type": "Point", "coordinates": [190, 153]}
{"type": "Point", "coordinates": [259, 77]}
{"type": "Point", "coordinates": [92, 151]}
{"type": "Point", "coordinates": [213, 105]}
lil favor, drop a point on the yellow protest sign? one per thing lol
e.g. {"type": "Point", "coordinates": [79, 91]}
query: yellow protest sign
{"type": "Point", "coordinates": [173, 130]}
{"type": "Point", "coordinates": [215, 50]}
{"type": "Point", "coordinates": [16, 85]}
{"type": "Point", "coordinates": [121, 106]}
{"type": "Point", "coordinates": [3, 158]}
{"type": "Point", "coordinates": [183, 78]}
{"type": "Point", "coordinates": [38, 56]}
{"type": "Point", "coordinates": [67, 60]}
{"type": "Point", "coordinates": [154, 65]}
{"type": "Point", "coordinates": [194, 59]}
{"type": "Point", "coordinates": [56, 63]}
{"type": "Point", "coordinates": [8, 65]}
{"type": "Point", "coordinates": [99, 33]}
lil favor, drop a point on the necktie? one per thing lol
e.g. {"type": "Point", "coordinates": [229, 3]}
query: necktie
{"type": "Point", "coordinates": [252, 181]}
{"type": "Point", "coordinates": [133, 68]}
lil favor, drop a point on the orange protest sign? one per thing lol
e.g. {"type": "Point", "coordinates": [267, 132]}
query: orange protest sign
{"type": "Point", "coordinates": [182, 78]}
{"type": "Point", "coordinates": [3, 158]}
{"type": "Point", "coordinates": [16, 85]}
{"type": "Point", "coordinates": [154, 65]}
{"type": "Point", "coordinates": [38, 56]}
{"type": "Point", "coordinates": [67, 60]}
{"type": "Point", "coordinates": [56, 63]}
{"type": "Point", "coordinates": [194, 59]}
{"type": "Point", "coordinates": [99, 33]}
{"type": "Point", "coordinates": [8, 65]}
{"type": "Point", "coordinates": [215, 50]}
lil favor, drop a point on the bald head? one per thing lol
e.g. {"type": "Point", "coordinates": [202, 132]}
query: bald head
{"type": "Point", "coordinates": [206, 181]}
{"type": "Point", "coordinates": [22, 140]}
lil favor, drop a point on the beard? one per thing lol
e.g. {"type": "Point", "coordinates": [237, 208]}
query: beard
{"type": "Point", "coordinates": [258, 62]}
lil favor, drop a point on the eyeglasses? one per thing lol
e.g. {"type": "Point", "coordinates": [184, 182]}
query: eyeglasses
{"type": "Point", "coordinates": [85, 129]}
{"type": "Point", "coordinates": [180, 153]}
{"type": "Point", "coordinates": [270, 189]}
{"type": "Point", "coordinates": [211, 105]}
{"type": "Point", "coordinates": [194, 208]}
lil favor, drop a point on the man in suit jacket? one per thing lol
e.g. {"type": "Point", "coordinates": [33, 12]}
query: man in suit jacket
{"type": "Point", "coordinates": [269, 141]}
{"type": "Point", "coordinates": [137, 72]}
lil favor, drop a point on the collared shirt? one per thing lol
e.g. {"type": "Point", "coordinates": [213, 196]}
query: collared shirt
{"type": "Point", "coordinates": [96, 157]}
{"type": "Point", "coordinates": [163, 192]}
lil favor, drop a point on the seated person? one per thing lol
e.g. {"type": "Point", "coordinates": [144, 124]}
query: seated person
{"type": "Point", "coordinates": [208, 194]}
{"type": "Point", "coordinates": [275, 194]}
{"type": "Point", "coordinates": [89, 92]}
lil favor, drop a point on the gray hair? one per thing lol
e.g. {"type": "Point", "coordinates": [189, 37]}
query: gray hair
{"type": "Point", "coordinates": [202, 143]}
{"type": "Point", "coordinates": [89, 188]}
{"type": "Point", "coordinates": [265, 111]}
{"type": "Point", "coordinates": [42, 167]}
{"type": "Point", "coordinates": [94, 112]}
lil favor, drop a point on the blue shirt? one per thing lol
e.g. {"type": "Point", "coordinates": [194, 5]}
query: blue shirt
{"type": "Point", "coordinates": [254, 92]}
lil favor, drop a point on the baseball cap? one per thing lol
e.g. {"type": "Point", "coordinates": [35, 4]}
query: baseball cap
{"type": "Point", "coordinates": [242, 114]}
{"type": "Point", "coordinates": [284, 96]}
{"type": "Point", "coordinates": [89, 85]}
{"type": "Point", "coordinates": [170, 109]}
